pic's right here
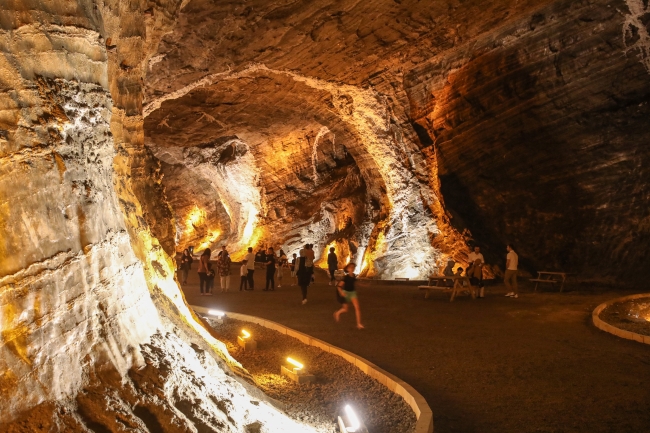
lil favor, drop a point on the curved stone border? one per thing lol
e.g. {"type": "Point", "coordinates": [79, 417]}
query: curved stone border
{"type": "Point", "coordinates": [604, 326]}
{"type": "Point", "coordinates": [407, 392]}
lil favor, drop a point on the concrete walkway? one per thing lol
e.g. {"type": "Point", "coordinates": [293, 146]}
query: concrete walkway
{"type": "Point", "coordinates": [534, 364]}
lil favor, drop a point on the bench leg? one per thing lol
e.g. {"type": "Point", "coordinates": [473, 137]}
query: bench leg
{"type": "Point", "coordinates": [453, 293]}
{"type": "Point", "coordinates": [426, 294]}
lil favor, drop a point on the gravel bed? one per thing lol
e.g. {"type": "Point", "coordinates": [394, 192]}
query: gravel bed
{"type": "Point", "coordinates": [632, 315]}
{"type": "Point", "coordinates": [337, 381]}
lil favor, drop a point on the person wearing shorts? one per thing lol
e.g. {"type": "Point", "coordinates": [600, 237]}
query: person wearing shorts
{"type": "Point", "coordinates": [347, 294]}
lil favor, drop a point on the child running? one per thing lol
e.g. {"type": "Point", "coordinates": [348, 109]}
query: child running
{"type": "Point", "coordinates": [348, 294]}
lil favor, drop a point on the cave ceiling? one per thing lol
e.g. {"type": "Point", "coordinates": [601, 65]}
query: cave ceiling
{"type": "Point", "coordinates": [522, 100]}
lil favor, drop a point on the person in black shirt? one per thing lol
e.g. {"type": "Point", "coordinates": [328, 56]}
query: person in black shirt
{"type": "Point", "coordinates": [304, 275]}
{"type": "Point", "coordinates": [332, 264]}
{"type": "Point", "coordinates": [348, 294]}
{"type": "Point", "coordinates": [270, 269]}
{"type": "Point", "coordinates": [186, 265]}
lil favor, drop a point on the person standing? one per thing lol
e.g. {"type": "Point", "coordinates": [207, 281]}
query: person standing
{"type": "Point", "coordinates": [475, 270]}
{"type": "Point", "coordinates": [282, 263]}
{"type": "Point", "coordinates": [204, 261]}
{"type": "Point", "coordinates": [332, 264]}
{"type": "Point", "coordinates": [186, 265]}
{"type": "Point", "coordinates": [294, 269]}
{"type": "Point", "coordinates": [270, 269]}
{"type": "Point", "coordinates": [512, 261]}
{"type": "Point", "coordinates": [303, 274]}
{"type": "Point", "coordinates": [209, 279]}
{"type": "Point", "coordinates": [250, 266]}
{"type": "Point", "coordinates": [223, 264]}
{"type": "Point", "coordinates": [243, 276]}
{"type": "Point", "coordinates": [309, 261]}
{"type": "Point", "coordinates": [347, 292]}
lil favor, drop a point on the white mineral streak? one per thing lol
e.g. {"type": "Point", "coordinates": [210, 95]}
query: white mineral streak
{"type": "Point", "coordinates": [314, 152]}
{"type": "Point", "coordinates": [632, 25]}
{"type": "Point", "coordinates": [410, 255]}
{"type": "Point", "coordinates": [236, 182]}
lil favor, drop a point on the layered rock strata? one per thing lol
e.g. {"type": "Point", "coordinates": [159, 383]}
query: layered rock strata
{"type": "Point", "coordinates": [527, 117]}
{"type": "Point", "coordinates": [92, 320]}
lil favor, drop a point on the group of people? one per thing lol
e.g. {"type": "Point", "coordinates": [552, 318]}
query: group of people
{"type": "Point", "coordinates": [301, 267]}
{"type": "Point", "coordinates": [206, 271]}
{"type": "Point", "coordinates": [475, 271]}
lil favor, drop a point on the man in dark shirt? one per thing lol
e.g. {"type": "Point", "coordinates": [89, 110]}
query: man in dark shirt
{"type": "Point", "coordinates": [270, 269]}
{"type": "Point", "coordinates": [332, 264]}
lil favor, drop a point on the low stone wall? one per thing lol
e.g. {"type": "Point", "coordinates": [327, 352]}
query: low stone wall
{"type": "Point", "coordinates": [407, 392]}
{"type": "Point", "coordinates": [604, 326]}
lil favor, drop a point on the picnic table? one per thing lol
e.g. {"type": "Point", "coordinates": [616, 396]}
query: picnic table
{"type": "Point", "coordinates": [455, 289]}
{"type": "Point", "coordinates": [550, 278]}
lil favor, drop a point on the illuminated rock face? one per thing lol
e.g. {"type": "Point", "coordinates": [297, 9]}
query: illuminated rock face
{"type": "Point", "coordinates": [528, 118]}
{"type": "Point", "coordinates": [91, 318]}
{"type": "Point", "coordinates": [277, 123]}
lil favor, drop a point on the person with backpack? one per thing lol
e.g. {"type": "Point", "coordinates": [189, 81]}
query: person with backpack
{"type": "Point", "coordinates": [347, 294]}
{"type": "Point", "coordinates": [332, 264]}
{"type": "Point", "coordinates": [186, 265]}
{"type": "Point", "coordinates": [204, 261]}
{"type": "Point", "coordinates": [223, 264]}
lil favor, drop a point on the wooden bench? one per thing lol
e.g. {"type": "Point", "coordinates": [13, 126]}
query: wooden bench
{"type": "Point", "coordinates": [546, 277]}
{"type": "Point", "coordinates": [455, 290]}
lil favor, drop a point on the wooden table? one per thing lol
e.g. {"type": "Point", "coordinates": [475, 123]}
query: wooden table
{"type": "Point", "coordinates": [455, 290]}
{"type": "Point", "coordinates": [550, 278]}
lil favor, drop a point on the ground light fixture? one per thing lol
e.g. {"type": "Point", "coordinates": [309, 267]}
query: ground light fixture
{"type": "Point", "coordinates": [298, 373]}
{"type": "Point", "coordinates": [246, 341]}
{"type": "Point", "coordinates": [350, 423]}
{"type": "Point", "coordinates": [297, 365]}
{"type": "Point", "coordinates": [217, 315]}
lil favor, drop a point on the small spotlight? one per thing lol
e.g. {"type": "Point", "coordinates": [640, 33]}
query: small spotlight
{"type": "Point", "coordinates": [246, 341]}
{"type": "Point", "coordinates": [298, 374]}
{"type": "Point", "coordinates": [296, 364]}
{"type": "Point", "coordinates": [216, 313]}
{"type": "Point", "coordinates": [353, 423]}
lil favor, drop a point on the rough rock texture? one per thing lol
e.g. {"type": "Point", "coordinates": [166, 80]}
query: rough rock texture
{"type": "Point", "coordinates": [87, 291]}
{"type": "Point", "coordinates": [529, 117]}
{"type": "Point", "coordinates": [337, 123]}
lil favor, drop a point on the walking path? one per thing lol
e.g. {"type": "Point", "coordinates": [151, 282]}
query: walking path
{"type": "Point", "coordinates": [533, 364]}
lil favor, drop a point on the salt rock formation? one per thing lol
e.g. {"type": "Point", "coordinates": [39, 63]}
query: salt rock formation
{"type": "Point", "coordinates": [131, 129]}
{"type": "Point", "coordinates": [95, 332]}
{"type": "Point", "coordinates": [528, 118]}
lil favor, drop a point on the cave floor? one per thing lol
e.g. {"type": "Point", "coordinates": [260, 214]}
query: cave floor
{"type": "Point", "coordinates": [535, 364]}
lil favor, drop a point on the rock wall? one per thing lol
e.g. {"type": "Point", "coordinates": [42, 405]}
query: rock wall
{"type": "Point", "coordinates": [95, 333]}
{"type": "Point", "coordinates": [527, 118]}
{"type": "Point", "coordinates": [541, 129]}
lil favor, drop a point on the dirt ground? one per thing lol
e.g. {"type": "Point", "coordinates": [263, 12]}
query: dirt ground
{"type": "Point", "coordinates": [533, 364]}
